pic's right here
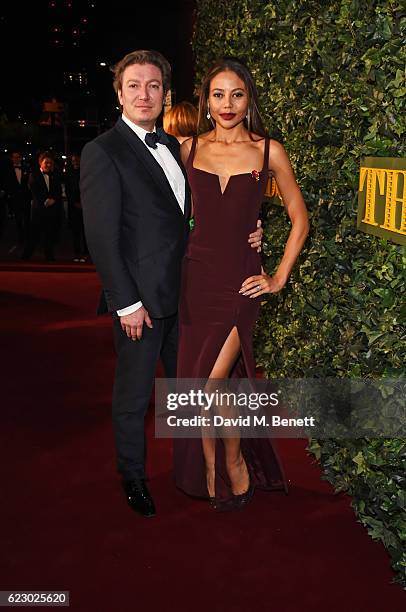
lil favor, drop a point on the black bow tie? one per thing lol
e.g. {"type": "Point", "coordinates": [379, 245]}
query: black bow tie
{"type": "Point", "coordinates": [17, 167]}
{"type": "Point", "coordinates": [151, 138]}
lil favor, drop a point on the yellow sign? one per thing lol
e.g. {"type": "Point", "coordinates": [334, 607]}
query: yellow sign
{"type": "Point", "coordinates": [382, 198]}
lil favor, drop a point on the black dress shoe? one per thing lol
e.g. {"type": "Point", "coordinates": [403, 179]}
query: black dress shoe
{"type": "Point", "coordinates": [139, 498]}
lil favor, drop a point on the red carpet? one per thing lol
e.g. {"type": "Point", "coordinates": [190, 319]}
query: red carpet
{"type": "Point", "coordinates": [64, 521]}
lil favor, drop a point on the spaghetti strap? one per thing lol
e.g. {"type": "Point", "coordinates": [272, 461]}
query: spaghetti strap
{"type": "Point", "coordinates": [266, 154]}
{"type": "Point", "coordinates": [192, 152]}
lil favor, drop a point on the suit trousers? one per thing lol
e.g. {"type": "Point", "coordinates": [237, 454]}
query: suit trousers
{"type": "Point", "coordinates": [78, 231]}
{"type": "Point", "coordinates": [45, 225]}
{"type": "Point", "coordinates": [133, 384]}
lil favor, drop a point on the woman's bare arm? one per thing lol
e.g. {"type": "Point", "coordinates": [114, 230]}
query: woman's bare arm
{"type": "Point", "coordinates": [281, 168]}
{"type": "Point", "coordinates": [292, 198]}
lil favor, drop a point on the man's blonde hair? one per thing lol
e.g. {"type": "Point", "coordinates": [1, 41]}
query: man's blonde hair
{"type": "Point", "coordinates": [142, 57]}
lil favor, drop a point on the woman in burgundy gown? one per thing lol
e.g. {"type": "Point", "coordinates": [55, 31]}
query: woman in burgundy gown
{"type": "Point", "coordinates": [222, 277]}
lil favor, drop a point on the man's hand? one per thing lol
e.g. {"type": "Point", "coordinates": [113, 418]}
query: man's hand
{"type": "Point", "coordinates": [132, 324]}
{"type": "Point", "coordinates": [255, 239]}
{"type": "Point", "coordinates": [49, 202]}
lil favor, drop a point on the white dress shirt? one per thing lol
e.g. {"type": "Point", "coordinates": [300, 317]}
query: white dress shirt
{"type": "Point", "coordinates": [18, 173]}
{"type": "Point", "coordinates": [172, 172]}
{"type": "Point", "coordinates": [46, 179]}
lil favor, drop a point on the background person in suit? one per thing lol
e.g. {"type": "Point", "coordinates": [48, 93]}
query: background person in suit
{"type": "Point", "coordinates": [136, 206]}
{"type": "Point", "coordinates": [18, 195]}
{"type": "Point", "coordinates": [46, 215]}
{"type": "Point", "coordinates": [3, 199]}
{"type": "Point", "coordinates": [75, 213]}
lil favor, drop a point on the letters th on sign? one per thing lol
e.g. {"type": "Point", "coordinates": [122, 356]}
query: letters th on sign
{"type": "Point", "coordinates": [382, 198]}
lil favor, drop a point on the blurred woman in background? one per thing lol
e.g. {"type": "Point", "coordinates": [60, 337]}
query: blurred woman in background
{"type": "Point", "coordinates": [181, 121]}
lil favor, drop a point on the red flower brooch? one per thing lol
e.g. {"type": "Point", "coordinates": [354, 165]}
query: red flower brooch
{"type": "Point", "coordinates": [255, 175]}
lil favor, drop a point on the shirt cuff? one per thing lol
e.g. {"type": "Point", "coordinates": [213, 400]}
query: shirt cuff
{"type": "Point", "coordinates": [129, 309]}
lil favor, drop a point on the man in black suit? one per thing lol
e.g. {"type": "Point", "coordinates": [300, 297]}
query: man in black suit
{"type": "Point", "coordinates": [75, 213]}
{"type": "Point", "coordinates": [136, 206]}
{"type": "Point", "coordinates": [46, 216]}
{"type": "Point", "coordinates": [18, 195]}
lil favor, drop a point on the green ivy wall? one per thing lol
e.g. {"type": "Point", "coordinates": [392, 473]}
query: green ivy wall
{"type": "Point", "coordinates": [331, 78]}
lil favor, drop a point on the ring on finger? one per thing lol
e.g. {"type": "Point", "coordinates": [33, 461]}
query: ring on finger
{"type": "Point", "coordinates": [258, 287]}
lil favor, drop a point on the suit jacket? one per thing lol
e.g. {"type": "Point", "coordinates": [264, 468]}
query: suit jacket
{"type": "Point", "coordinates": [72, 188]}
{"type": "Point", "coordinates": [135, 228]}
{"type": "Point", "coordinates": [40, 192]}
{"type": "Point", "coordinates": [18, 193]}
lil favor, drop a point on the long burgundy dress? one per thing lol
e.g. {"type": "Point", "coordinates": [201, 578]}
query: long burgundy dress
{"type": "Point", "coordinates": [218, 259]}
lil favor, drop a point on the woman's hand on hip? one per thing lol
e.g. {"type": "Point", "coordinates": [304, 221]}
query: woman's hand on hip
{"type": "Point", "coordinates": [257, 285]}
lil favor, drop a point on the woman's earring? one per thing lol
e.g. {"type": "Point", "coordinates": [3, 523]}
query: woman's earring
{"type": "Point", "coordinates": [208, 113]}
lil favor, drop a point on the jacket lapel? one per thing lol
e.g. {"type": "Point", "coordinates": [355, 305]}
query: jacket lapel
{"type": "Point", "coordinates": [148, 161]}
{"type": "Point", "coordinates": [175, 150]}
{"type": "Point", "coordinates": [44, 183]}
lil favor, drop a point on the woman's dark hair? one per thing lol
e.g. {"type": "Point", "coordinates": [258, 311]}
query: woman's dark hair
{"type": "Point", "coordinates": [253, 121]}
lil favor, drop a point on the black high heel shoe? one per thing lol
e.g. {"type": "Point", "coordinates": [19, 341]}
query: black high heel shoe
{"type": "Point", "coordinates": [242, 500]}
{"type": "Point", "coordinates": [221, 505]}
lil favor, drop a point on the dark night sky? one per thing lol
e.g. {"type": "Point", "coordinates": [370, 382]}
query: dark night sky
{"type": "Point", "coordinates": [26, 32]}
